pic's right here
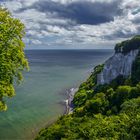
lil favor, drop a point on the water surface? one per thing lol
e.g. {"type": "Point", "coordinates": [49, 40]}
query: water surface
{"type": "Point", "coordinates": [38, 100]}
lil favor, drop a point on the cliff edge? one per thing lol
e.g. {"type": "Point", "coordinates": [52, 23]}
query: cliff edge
{"type": "Point", "coordinates": [121, 62]}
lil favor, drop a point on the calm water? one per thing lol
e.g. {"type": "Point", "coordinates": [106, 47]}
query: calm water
{"type": "Point", "coordinates": [39, 99]}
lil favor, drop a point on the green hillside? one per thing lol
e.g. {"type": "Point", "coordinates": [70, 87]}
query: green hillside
{"type": "Point", "coordinates": [103, 112]}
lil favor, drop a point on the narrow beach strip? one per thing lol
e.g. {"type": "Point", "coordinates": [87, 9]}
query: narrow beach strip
{"type": "Point", "coordinates": [69, 104]}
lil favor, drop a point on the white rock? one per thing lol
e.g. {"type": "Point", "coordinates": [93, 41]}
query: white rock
{"type": "Point", "coordinates": [118, 64]}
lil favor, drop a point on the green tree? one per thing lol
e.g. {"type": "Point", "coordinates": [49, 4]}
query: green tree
{"type": "Point", "coordinates": [122, 94]}
{"type": "Point", "coordinates": [97, 104]}
{"type": "Point", "coordinates": [12, 57]}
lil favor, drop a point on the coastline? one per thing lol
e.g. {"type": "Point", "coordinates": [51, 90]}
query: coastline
{"type": "Point", "coordinates": [69, 109]}
{"type": "Point", "coordinates": [69, 104]}
{"type": "Point", "coordinates": [71, 93]}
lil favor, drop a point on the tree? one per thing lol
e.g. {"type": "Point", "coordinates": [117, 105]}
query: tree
{"type": "Point", "coordinates": [97, 104]}
{"type": "Point", "coordinates": [122, 94]}
{"type": "Point", "coordinates": [12, 57]}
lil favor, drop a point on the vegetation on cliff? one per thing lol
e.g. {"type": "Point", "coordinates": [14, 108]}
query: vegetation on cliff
{"type": "Point", "coordinates": [109, 112]}
{"type": "Point", "coordinates": [128, 45]}
{"type": "Point", "coordinates": [12, 58]}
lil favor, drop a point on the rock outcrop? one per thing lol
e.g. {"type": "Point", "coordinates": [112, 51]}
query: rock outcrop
{"type": "Point", "coordinates": [118, 64]}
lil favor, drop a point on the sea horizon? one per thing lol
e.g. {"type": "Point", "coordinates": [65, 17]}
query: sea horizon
{"type": "Point", "coordinates": [26, 49]}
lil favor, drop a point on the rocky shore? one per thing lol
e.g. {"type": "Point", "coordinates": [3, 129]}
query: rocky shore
{"type": "Point", "coordinates": [69, 104]}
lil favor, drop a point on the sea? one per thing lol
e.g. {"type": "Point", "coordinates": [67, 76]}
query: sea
{"type": "Point", "coordinates": [40, 99]}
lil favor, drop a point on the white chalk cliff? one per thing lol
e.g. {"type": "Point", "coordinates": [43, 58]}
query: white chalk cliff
{"type": "Point", "coordinates": [118, 64]}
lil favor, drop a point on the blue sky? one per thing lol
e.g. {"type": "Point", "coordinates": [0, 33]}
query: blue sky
{"type": "Point", "coordinates": [76, 24]}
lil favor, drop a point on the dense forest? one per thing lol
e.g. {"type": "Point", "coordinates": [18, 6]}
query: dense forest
{"type": "Point", "coordinates": [12, 57]}
{"type": "Point", "coordinates": [103, 112]}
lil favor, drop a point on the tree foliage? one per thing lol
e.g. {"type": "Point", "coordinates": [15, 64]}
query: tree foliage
{"type": "Point", "coordinates": [12, 58]}
{"type": "Point", "coordinates": [128, 45]}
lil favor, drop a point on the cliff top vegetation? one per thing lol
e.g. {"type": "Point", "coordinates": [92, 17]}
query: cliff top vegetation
{"type": "Point", "coordinates": [128, 45]}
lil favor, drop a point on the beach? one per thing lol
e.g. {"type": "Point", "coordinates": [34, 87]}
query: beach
{"type": "Point", "coordinates": [69, 101]}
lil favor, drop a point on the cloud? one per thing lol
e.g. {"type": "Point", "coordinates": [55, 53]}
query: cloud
{"type": "Point", "coordinates": [36, 42]}
{"type": "Point", "coordinates": [136, 18]}
{"type": "Point", "coordinates": [76, 23]}
{"type": "Point", "coordinates": [81, 12]}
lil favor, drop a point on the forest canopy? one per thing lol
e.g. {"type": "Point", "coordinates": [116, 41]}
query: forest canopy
{"type": "Point", "coordinates": [12, 57]}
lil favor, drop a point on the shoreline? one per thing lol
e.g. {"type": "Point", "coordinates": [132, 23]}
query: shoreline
{"type": "Point", "coordinates": [68, 105]}
{"type": "Point", "coordinates": [68, 101]}
{"type": "Point", "coordinates": [71, 93]}
{"type": "Point", "coordinates": [68, 109]}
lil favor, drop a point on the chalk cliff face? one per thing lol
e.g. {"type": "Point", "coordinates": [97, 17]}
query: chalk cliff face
{"type": "Point", "coordinates": [118, 64]}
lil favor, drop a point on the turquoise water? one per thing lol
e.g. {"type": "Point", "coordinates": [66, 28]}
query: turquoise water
{"type": "Point", "coordinates": [40, 98]}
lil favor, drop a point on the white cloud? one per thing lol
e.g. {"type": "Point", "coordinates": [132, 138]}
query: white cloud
{"type": "Point", "coordinates": [36, 42]}
{"type": "Point", "coordinates": [42, 26]}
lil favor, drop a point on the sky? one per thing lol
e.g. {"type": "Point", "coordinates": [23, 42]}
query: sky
{"type": "Point", "coordinates": [76, 24]}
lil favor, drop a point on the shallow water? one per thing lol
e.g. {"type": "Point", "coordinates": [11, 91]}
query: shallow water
{"type": "Point", "coordinates": [38, 100]}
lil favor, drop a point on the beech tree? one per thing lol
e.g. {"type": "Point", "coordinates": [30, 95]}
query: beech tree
{"type": "Point", "coordinates": [12, 57]}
